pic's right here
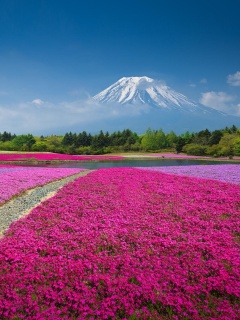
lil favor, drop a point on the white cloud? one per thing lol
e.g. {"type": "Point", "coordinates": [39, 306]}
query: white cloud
{"type": "Point", "coordinates": [51, 118]}
{"type": "Point", "coordinates": [220, 101]}
{"type": "Point", "coordinates": [215, 99]}
{"type": "Point", "coordinates": [234, 79]}
{"type": "Point", "coordinates": [38, 102]}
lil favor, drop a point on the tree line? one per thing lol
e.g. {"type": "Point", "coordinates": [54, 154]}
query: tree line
{"type": "Point", "coordinates": [222, 142]}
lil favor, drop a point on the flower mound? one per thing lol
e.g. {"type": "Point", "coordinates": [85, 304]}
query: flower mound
{"type": "Point", "coordinates": [15, 180]}
{"type": "Point", "coordinates": [126, 244]}
{"type": "Point", "coordinates": [222, 172]}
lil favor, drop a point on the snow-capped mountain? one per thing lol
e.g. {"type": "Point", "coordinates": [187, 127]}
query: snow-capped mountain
{"type": "Point", "coordinates": [142, 102]}
{"type": "Point", "coordinates": [144, 90]}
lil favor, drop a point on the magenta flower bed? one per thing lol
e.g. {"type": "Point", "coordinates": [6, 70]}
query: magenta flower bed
{"type": "Point", "coordinates": [15, 180]}
{"type": "Point", "coordinates": [126, 244]}
{"type": "Point", "coordinates": [53, 156]}
{"type": "Point", "coordinates": [4, 166]}
{"type": "Point", "coordinates": [222, 172]}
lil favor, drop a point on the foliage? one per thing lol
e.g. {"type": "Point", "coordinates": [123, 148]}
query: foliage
{"type": "Point", "coordinates": [6, 136]}
{"type": "Point", "coordinates": [221, 142]}
{"type": "Point", "coordinates": [214, 150]}
{"type": "Point", "coordinates": [154, 140]}
{"type": "Point", "coordinates": [194, 149]}
{"type": "Point", "coordinates": [237, 147]}
{"type": "Point", "coordinates": [226, 144]}
{"type": "Point", "coordinates": [180, 144]}
{"type": "Point", "coordinates": [202, 137]}
{"type": "Point", "coordinates": [215, 137]}
{"type": "Point", "coordinates": [23, 142]}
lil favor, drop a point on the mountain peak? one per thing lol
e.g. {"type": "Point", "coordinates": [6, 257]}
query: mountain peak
{"type": "Point", "coordinates": [144, 90]}
{"type": "Point", "coordinates": [142, 102]}
{"type": "Point", "coordinates": [134, 80]}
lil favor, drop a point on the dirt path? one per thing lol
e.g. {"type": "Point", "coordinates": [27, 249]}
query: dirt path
{"type": "Point", "coordinates": [24, 204]}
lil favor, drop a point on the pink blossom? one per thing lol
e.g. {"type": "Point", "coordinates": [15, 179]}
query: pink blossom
{"type": "Point", "coordinates": [123, 242]}
{"type": "Point", "coordinates": [53, 156]}
{"type": "Point", "coordinates": [15, 180]}
{"type": "Point", "coordinates": [222, 172]}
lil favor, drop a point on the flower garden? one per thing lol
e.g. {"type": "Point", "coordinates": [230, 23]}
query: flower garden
{"type": "Point", "coordinates": [53, 157]}
{"type": "Point", "coordinates": [126, 243]}
{"type": "Point", "coordinates": [15, 180]}
{"type": "Point", "coordinates": [222, 172]}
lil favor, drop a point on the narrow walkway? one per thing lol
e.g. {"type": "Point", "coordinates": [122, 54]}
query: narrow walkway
{"type": "Point", "coordinates": [22, 205]}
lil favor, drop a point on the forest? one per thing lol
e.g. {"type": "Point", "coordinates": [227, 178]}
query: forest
{"type": "Point", "coordinates": [217, 143]}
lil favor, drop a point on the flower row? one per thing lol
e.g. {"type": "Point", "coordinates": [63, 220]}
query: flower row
{"type": "Point", "coordinates": [222, 172]}
{"type": "Point", "coordinates": [53, 156]}
{"type": "Point", "coordinates": [15, 180]}
{"type": "Point", "coordinates": [125, 243]}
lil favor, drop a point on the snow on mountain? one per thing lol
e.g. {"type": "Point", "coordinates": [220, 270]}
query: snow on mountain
{"type": "Point", "coordinates": [141, 102]}
{"type": "Point", "coordinates": [144, 90]}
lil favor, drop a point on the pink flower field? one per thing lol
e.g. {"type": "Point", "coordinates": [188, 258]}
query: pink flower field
{"type": "Point", "coordinates": [222, 172]}
{"type": "Point", "coordinates": [15, 180]}
{"type": "Point", "coordinates": [124, 243]}
{"type": "Point", "coordinates": [53, 156]}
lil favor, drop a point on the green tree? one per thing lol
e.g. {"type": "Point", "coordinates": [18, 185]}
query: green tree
{"type": "Point", "coordinates": [187, 136]}
{"type": "Point", "coordinates": [161, 138]}
{"type": "Point", "coordinates": [195, 149]}
{"type": "Point", "coordinates": [99, 141]}
{"type": "Point", "coordinates": [172, 138]}
{"type": "Point", "coordinates": [84, 139]}
{"type": "Point", "coordinates": [202, 137]}
{"type": "Point", "coordinates": [39, 146]}
{"type": "Point", "coordinates": [54, 140]}
{"type": "Point", "coordinates": [236, 145]}
{"type": "Point", "coordinates": [68, 139]}
{"type": "Point", "coordinates": [116, 139]}
{"type": "Point", "coordinates": [213, 150]}
{"type": "Point", "coordinates": [23, 142]}
{"type": "Point", "coordinates": [149, 141]}
{"type": "Point", "coordinates": [226, 144]}
{"type": "Point", "coordinates": [215, 137]}
{"type": "Point", "coordinates": [233, 129]}
{"type": "Point", "coordinates": [6, 136]}
{"type": "Point", "coordinates": [7, 145]}
{"type": "Point", "coordinates": [180, 144]}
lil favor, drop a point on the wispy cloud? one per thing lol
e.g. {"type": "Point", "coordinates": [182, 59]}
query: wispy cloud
{"type": "Point", "coordinates": [41, 117]}
{"type": "Point", "coordinates": [234, 79]}
{"type": "Point", "coordinates": [38, 102]}
{"type": "Point", "coordinates": [220, 101]}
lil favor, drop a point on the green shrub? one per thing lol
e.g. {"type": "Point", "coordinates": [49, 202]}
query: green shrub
{"type": "Point", "coordinates": [194, 149]}
{"type": "Point", "coordinates": [214, 151]}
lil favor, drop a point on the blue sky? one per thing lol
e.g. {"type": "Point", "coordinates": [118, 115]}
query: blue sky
{"type": "Point", "coordinates": [55, 54]}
